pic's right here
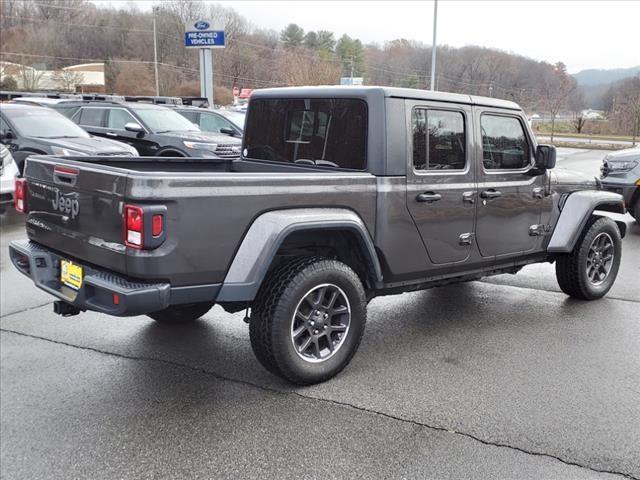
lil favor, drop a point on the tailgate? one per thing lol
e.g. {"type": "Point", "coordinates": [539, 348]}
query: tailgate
{"type": "Point", "coordinates": [76, 208]}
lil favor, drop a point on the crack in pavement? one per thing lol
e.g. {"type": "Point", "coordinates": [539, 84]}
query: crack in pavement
{"type": "Point", "coordinates": [324, 400]}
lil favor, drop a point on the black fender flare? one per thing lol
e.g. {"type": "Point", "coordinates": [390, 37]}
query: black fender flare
{"type": "Point", "coordinates": [576, 211]}
{"type": "Point", "coordinates": [267, 233]}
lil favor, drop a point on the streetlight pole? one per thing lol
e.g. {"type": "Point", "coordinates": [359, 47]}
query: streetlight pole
{"type": "Point", "coordinates": [433, 45]}
{"type": "Point", "coordinates": [155, 51]}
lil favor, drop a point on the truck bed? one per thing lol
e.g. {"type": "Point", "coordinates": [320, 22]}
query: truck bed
{"type": "Point", "coordinates": [210, 206]}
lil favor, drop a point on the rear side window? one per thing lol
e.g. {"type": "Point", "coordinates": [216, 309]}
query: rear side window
{"type": "Point", "coordinates": [504, 143]}
{"type": "Point", "coordinates": [191, 116]}
{"type": "Point", "coordinates": [92, 117]}
{"type": "Point", "coordinates": [438, 140]}
{"type": "Point", "coordinates": [321, 132]}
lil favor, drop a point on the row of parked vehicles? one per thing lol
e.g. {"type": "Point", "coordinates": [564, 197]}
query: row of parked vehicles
{"type": "Point", "coordinates": [72, 127]}
{"type": "Point", "coordinates": [339, 195]}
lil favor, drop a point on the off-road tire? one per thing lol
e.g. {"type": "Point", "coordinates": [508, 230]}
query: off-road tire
{"type": "Point", "coordinates": [177, 314]}
{"type": "Point", "coordinates": [571, 268]}
{"type": "Point", "coordinates": [275, 306]}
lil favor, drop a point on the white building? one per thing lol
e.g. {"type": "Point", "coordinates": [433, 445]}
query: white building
{"type": "Point", "coordinates": [87, 77]}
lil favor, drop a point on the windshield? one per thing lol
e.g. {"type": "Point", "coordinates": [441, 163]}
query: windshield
{"type": "Point", "coordinates": [161, 120]}
{"type": "Point", "coordinates": [315, 132]}
{"type": "Point", "coordinates": [43, 123]}
{"type": "Point", "coordinates": [237, 118]}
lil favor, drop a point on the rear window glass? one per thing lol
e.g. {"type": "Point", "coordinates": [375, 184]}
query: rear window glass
{"type": "Point", "coordinates": [320, 132]}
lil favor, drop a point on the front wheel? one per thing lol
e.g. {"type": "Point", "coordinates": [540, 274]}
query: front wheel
{"type": "Point", "coordinates": [308, 320]}
{"type": "Point", "coordinates": [181, 313]}
{"type": "Point", "coordinates": [590, 270]}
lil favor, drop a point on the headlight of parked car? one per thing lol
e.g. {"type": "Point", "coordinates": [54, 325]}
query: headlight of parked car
{"type": "Point", "coordinates": [622, 166]}
{"type": "Point", "coordinates": [67, 152]}
{"type": "Point", "coordinates": [201, 146]}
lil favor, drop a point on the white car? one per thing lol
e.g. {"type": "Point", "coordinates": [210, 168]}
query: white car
{"type": "Point", "coordinates": [8, 174]}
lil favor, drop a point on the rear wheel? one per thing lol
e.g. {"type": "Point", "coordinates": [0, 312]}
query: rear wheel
{"type": "Point", "coordinates": [308, 320]}
{"type": "Point", "coordinates": [590, 270]}
{"type": "Point", "coordinates": [181, 313]}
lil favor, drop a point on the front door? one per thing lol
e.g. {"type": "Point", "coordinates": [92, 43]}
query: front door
{"type": "Point", "coordinates": [117, 118]}
{"type": "Point", "coordinates": [509, 198]}
{"type": "Point", "coordinates": [441, 186]}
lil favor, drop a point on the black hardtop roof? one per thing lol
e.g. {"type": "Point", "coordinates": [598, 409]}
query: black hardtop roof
{"type": "Point", "coordinates": [373, 92]}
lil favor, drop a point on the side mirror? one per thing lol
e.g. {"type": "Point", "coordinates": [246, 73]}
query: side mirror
{"type": "Point", "coordinates": [133, 127]}
{"type": "Point", "coordinates": [228, 131]}
{"type": "Point", "coordinates": [545, 157]}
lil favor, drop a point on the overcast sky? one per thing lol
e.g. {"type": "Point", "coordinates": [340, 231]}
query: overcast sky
{"type": "Point", "coordinates": [583, 34]}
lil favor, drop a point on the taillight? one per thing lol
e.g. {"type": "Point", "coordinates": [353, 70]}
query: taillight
{"type": "Point", "coordinates": [20, 195]}
{"type": "Point", "coordinates": [134, 226]}
{"type": "Point", "coordinates": [144, 226]}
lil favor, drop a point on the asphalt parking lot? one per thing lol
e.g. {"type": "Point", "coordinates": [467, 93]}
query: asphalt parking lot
{"type": "Point", "coordinates": [502, 378]}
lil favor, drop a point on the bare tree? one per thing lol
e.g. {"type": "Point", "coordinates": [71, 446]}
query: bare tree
{"type": "Point", "coordinates": [67, 79]}
{"type": "Point", "coordinates": [627, 107]}
{"type": "Point", "coordinates": [29, 77]}
{"type": "Point", "coordinates": [556, 90]}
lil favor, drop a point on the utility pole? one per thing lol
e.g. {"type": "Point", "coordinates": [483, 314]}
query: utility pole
{"type": "Point", "coordinates": [433, 46]}
{"type": "Point", "coordinates": [155, 51]}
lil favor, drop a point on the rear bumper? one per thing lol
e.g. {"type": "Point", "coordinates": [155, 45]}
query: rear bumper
{"type": "Point", "coordinates": [98, 286]}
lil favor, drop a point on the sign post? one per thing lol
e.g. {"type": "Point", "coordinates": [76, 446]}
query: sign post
{"type": "Point", "coordinates": [205, 35]}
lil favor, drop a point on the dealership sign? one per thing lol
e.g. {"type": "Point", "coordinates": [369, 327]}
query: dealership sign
{"type": "Point", "coordinates": [204, 34]}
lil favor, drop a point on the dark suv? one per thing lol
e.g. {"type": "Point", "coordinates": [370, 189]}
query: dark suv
{"type": "Point", "coordinates": [29, 129]}
{"type": "Point", "coordinates": [153, 130]}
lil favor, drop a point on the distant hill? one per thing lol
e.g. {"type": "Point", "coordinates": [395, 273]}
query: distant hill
{"type": "Point", "coordinates": [602, 77]}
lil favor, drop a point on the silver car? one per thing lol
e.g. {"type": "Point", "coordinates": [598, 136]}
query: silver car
{"type": "Point", "coordinates": [621, 174]}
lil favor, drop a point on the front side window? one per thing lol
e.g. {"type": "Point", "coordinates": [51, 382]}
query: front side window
{"type": "Point", "coordinates": [504, 143]}
{"type": "Point", "coordinates": [118, 118]}
{"type": "Point", "coordinates": [320, 132]}
{"type": "Point", "coordinates": [438, 140]}
{"type": "Point", "coordinates": [92, 117]}
{"type": "Point", "coordinates": [212, 123]}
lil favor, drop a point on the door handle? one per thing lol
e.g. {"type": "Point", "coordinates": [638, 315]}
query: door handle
{"type": "Point", "coordinates": [112, 134]}
{"type": "Point", "coordinates": [537, 192]}
{"type": "Point", "coordinates": [491, 193]}
{"type": "Point", "coordinates": [468, 197]}
{"type": "Point", "coordinates": [428, 197]}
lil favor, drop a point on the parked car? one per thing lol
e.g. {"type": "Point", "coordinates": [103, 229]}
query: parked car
{"type": "Point", "coordinates": [621, 174]}
{"type": "Point", "coordinates": [30, 129]}
{"type": "Point", "coordinates": [226, 122]}
{"type": "Point", "coordinates": [8, 173]}
{"type": "Point", "coordinates": [153, 130]}
{"type": "Point", "coordinates": [341, 195]}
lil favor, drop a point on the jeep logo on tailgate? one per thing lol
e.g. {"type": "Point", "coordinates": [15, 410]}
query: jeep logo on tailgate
{"type": "Point", "coordinates": [66, 203]}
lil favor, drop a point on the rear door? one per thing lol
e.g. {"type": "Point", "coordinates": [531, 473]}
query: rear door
{"type": "Point", "coordinates": [92, 119]}
{"type": "Point", "coordinates": [441, 178]}
{"type": "Point", "coordinates": [76, 209]}
{"type": "Point", "coordinates": [510, 199]}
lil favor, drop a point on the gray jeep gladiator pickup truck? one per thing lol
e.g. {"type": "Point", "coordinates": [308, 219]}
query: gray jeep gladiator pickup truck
{"type": "Point", "coordinates": [341, 194]}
